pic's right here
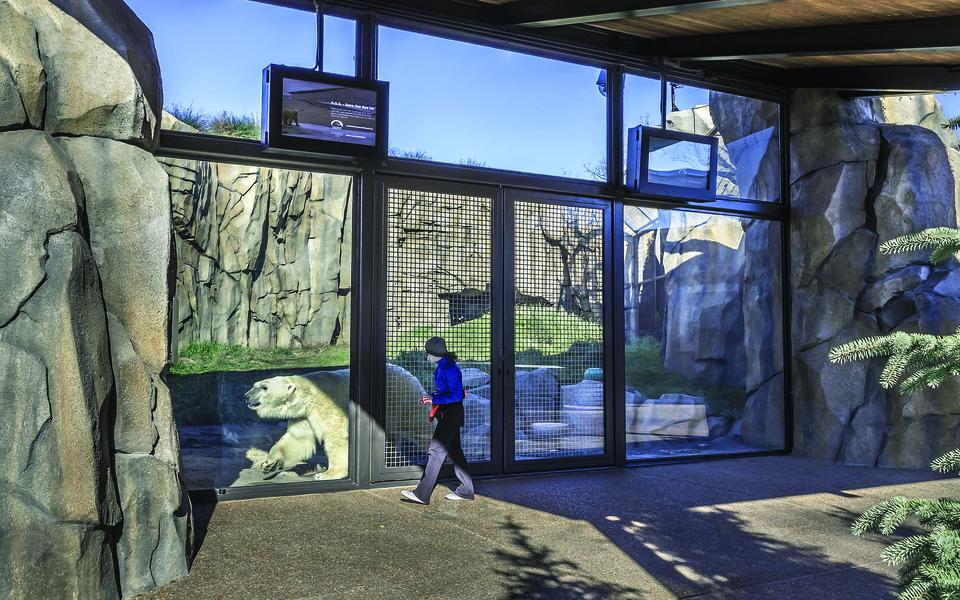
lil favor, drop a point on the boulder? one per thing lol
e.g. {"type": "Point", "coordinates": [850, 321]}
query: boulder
{"type": "Point", "coordinates": [661, 418]}
{"type": "Point", "coordinates": [60, 499]}
{"type": "Point", "coordinates": [762, 302]}
{"type": "Point", "coordinates": [763, 421]}
{"type": "Point", "coordinates": [264, 255]}
{"type": "Point", "coordinates": [890, 286]}
{"type": "Point", "coordinates": [917, 192]}
{"type": "Point", "coordinates": [827, 206]}
{"type": "Point", "coordinates": [102, 73]}
{"type": "Point", "coordinates": [819, 147]}
{"type": "Point", "coordinates": [703, 266]}
{"type": "Point", "coordinates": [718, 426]}
{"type": "Point", "coordinates": [39, 195]}
{"type": "Point", "coordinates": [584, 393]}
{"type": "Point", "coordinates": [23, 81]}
{"type": "Point", "coordinates": [834, 312]}
{"type": "Point", "coordinates": [921, 427]}
{"type": "Point", "coordinates": [750, 130]}
{"type": "Point", "coordinates": [134, 261]}
{"type": "Point", "coordinates": [154, 551]}
{"type": "Point", "coordinates": [536, 395]}
{"type": "Point", "coordinates": [820, 108]}
{"type": "Point", "coordinates": [923, 110]}
{"type": "Point", "coordinates": [474, 378]}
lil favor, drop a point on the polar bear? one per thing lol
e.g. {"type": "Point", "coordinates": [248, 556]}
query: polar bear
{"type": "Point", "coordinates": [315, 407]}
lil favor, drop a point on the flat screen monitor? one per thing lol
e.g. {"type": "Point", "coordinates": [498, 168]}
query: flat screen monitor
{"type": "Point", "coordinates": [310, 111]}
{"type": "Point", "coordinates": [665, 162]}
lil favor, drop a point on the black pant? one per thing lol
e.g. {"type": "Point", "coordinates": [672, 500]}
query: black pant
{"type": "Point", "coordinates": [446, 442]}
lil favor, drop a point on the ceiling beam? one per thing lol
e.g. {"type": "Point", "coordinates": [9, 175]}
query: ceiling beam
{"type": "Point", "coordinates": [553, 13]}
{"type": "Point", "coordinates": [914, 35]}
{"type": "Point", "coordinates": [864, 81]}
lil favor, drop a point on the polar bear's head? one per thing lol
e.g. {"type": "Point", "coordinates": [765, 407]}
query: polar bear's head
{"type": "Point", "coordinates": [281, 397]}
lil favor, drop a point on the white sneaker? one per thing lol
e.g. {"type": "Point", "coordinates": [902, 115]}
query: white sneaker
{"type": "Point", "coordinates": [409, 496]}
{"type": "Point", "coordinates": [456, 496]}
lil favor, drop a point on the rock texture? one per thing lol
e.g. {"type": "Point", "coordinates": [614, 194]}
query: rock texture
{"type": "Point", "coordinates": [856, 181]}
{"type": "Point", "coordinates": [91, 490]}
{"type": "Point", "coordinates": [264, 256]}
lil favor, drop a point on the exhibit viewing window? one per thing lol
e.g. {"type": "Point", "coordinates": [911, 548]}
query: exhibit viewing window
{"type": "Point", "coordinates": [212, 54]}
{"type": "Point", "coordinates": [462, 103]}
{"type": "Point", "coordinates": [703, 330]}
{"type": "Point", "coordinates": [260, 380]}
{"type": "Point", "coordinates": [641, 106]}
{"type": "Point", "coordinates": [748, 132]}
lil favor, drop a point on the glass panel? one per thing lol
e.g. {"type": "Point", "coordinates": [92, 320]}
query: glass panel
{"type": "Point", "coordinates": [558, 331]}
{"type": "Point", "coordinates": [438, 284]}
{"type": "Point", "coordinates": [473, 105]}
{"type": "Point", "coordinates": [212, 55]}
{"type": "Point", "coordinates": [704, 333]}
{"type": "Point", "coordinates": [680, 163]}
{"type": "Point", "coordinates": [749, 134]}
{"type": "Point", "coordinates": [641, 108]}
{"type": "Point", "coordinates": [339, 45]}
{"type": "Point", "coordinates": [260, 383]}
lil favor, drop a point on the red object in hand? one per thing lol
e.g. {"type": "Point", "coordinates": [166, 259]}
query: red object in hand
{"type": "Point", "coordinates": [433, 413]}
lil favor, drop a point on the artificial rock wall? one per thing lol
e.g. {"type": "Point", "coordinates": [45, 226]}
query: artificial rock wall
{"type": "Point", "coordinates": [264, 255]}
{"type": "Point", "coordinates": [91, 497]}
{"type": "Point", "coordinates": [863, 172]}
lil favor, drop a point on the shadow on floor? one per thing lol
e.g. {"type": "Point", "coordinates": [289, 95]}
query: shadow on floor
{"type": "Point", "coordinates": [533, 572]}
{"type": "Point", "coordinates": [698, 533]}
{"type": "Point", "coordinates": [202, 514]}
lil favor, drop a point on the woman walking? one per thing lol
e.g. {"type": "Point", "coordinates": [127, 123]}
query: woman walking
{"type": "Point", "coordinates": [447, 401]}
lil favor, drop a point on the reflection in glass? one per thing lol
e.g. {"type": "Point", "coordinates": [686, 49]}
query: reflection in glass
{"type": "Point", "coordinates": [703, 334]}
{"type": "Point", "coordinates": [641, 106]}
{"type": "Point", "coordinates": [679, 163]}
{"type": "Point", "coordinates": [508, 110]}
{"type": "Point", "coordinates": [439, 255]}
{"type": "Point", "coordinates": [748, 132]}
{"type": "Point", "coordinates": [558, 331]}
{"type": "Point", "coordinates": [212, 54]}
{"type": "Point", "coordinates": [260, 381]}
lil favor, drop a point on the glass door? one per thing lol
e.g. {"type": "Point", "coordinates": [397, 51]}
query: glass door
{"type": "Point", "coordinates": [440, 252]}
{"type": "Point", "coordinates": [557, 389]}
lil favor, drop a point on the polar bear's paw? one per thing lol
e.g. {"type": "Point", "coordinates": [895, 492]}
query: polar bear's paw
{"type": "Point", "coordinates": [261, 460]}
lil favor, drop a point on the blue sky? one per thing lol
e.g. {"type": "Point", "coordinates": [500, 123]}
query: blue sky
{"type": "Point", "coordinates": [452, 100]}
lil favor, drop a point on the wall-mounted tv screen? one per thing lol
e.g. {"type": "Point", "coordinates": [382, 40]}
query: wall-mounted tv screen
{"type": "Point", "coordinates": [324, 113]}
{"type": "Point", "coordinates": [666, 162]}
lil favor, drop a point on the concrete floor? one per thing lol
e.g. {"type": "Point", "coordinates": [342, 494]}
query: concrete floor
{"type": "Point", "coordinates": [772, 527]}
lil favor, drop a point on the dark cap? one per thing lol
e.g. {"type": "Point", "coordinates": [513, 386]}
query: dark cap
{"type": "Point", "coordinates": [436, 346]}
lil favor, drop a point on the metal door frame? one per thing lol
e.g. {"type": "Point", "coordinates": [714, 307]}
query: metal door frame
{"type": "Point", "coordinates": [507, 291]}
{"type": "Point", "coordinates": [378, 359]}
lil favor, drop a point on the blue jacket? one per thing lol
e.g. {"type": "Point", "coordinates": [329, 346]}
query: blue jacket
{"type": "Point", "coordinates": [448, 382]}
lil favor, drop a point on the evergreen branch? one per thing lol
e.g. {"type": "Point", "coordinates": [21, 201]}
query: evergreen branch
{"type": "Point", "coordinates": [917, 590]}
{"type": "Point", "coordinates": [869, 347]}
{"type": "Point", "coordinates": [945, 241]}
{"type": "Point", "coordinates": [907, 549]}
{"type": "Point", "coordinates": [948, 463]}
{"type": "Point", "coordinates": [877, 519]}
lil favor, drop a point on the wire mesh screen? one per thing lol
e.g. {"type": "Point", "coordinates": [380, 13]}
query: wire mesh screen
{"type": "Point", "coordinates": [558, 324]}
{"type": "Point", "coordinates": [438, 284]}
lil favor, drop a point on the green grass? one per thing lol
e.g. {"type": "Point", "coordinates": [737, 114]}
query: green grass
{"type": "Point", "coordinates": [643, 370]}
{"type": "Point", "coordinates": [225, 123]}
{"type": "Point", "coordinates": [208, 357]}
{"type": "Point", "coordinates": [540, 329]}
{"type": "Point", "coordinates": [193, 117]}
{"type": "Point", "coordinates": [231, 125]}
